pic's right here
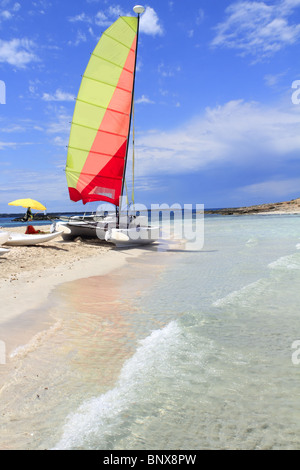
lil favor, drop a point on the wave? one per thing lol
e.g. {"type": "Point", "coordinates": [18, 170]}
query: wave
{"type": "Point", "coordinates": [287, 262]}
{"type": "Point", "coordinates": [242, 295]}
{"type": "Point", "coordinates": [155, 377]}
{"type": "Point", "coordinates": [37, 340]}
{"type": "Point", "coordinates": [100, 418]}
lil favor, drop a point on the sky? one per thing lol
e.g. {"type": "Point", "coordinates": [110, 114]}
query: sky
{"type": "Point", "coordinates": [217, 99]}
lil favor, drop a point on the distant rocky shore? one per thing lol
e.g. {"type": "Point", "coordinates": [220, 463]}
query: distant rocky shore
{"type": "Point", "coordinates": [37, 217]}
{"type": "Point", "coordinates": [285, 207]}
{"type": "Point", "coordinates": [292, 206]}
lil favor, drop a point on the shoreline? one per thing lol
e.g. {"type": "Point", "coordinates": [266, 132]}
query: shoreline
{"type": "Point", "coordinates": [285, 207]}
{"type": "Point", "coordinates": [71, 319]}
{"type": "Point", "coordinates": [28, 274]}
{"type": "Point", "coordinates": [277, 208]}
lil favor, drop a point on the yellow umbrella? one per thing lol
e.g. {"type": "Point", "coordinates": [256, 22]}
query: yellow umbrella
{"type": "Point", "coordinates": [28, 203]}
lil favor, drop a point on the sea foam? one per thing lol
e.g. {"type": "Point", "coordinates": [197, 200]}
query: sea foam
{"type": "Point", "coordinates": [101, 417]}
{"type": "Point", "coordinates": [286, 262]}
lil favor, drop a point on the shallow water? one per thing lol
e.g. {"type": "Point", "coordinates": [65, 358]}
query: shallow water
{"type": "Point", "coordinates": [185, 350]}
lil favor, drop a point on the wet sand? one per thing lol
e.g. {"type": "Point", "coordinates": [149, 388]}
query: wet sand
{"type": "Point", "coordinates": [72, 345]}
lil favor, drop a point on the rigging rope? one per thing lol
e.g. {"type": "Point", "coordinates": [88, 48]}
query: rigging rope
{"type": "Point", "coordinates": [132, 195]}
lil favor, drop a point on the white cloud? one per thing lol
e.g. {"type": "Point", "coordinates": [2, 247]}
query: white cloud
{"type": "Point", "coordinates": [59, 129]}
{"type": "Point", "coordinates": [200, 16]}
{"type": "Point", "coordinates": [13, 128]}
{"type": "Point", "coordinates": [81, 17]}
{"type": "Point", "coordinates": [5, 145]}
{"type": "Point", "coordinates": [167, 70]}
{"type": "Point", "coordinates": [17, 52]}
{"type": "Point", "coordinates": [59, 95]}
{"type": "Point", "coordinates": [116, 11]}
{"type": "Point", "coordinates": [275, 188]}
{"type": "Point", "coordinates": [80, 37]}
{"type": "Point", "coordinates": [257, 28]}
{"type": "Point", "coordinates": [14, 145]}
{"type": "Point", "coordinates": [16, 6]}
{"type": "Point", "coordinates": [6, 15]}
{"type": "Point", "coordinates": [144, 99]}
{"type": "Point", "coordinates": [101, 19]}
{"type": "Point", "coordinates": [149, 23]}
{"type": "Point", "coordinates": [46, 185]}
{"type": "Point", "coordinates": [238, 134]}
{"type": "Point", "coordinates": [60, 126]}
{"type": "Point", "coordinates": [273, 80]}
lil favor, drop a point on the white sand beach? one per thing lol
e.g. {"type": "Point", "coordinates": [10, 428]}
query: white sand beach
{"type": "Point", "coordinates": [29, 321]}
{"type": "Point", "coordinates": [28, 274]}
{"type": "Point", "coordinates": [74, 333]}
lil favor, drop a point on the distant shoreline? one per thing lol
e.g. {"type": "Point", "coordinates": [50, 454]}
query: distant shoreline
{"type": "Point", "coordinates": [287, 207]}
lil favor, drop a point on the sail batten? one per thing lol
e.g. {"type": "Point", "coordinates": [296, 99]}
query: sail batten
{"type": "Point", "coordinates": [110, 62]}
{"type": "Point", "coordinates": [114, 39]}
{"type": "Point", "coordinates": [94, 152]}
{"type": "Point", "coordinates": [104, 176]}
{"type": "Point", "coordinates": [102, 107]}
{"type": "Point", "coordinates": [106, 83]}
{"type": "Point", "coordinates": [95, 129]}
{"type": "Point", "coordinates": [123, 19]}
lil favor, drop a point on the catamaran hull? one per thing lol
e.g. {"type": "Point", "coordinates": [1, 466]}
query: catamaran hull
{"type": "Point", "coordinates": [19, 239]}
{"type": "Point", "coordinates": [97, 228]}
{"type": "Point", "coordinates": [3, 251]}
{"type": "Point", "coordinates": [85, 229]}
{"type": "Point", "coordinates": [71, 230]}
{"type": "Point", "coordinates": [133, 237]}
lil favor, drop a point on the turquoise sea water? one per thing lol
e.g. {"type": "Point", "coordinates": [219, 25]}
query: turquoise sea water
{"type": "Point", "coordinates": [8, 220]}
{"type": "Point", "coordinates": [192, 351]}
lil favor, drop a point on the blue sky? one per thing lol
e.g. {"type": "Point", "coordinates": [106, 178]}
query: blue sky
{"type": "Point", "coordinates": [217, 114]}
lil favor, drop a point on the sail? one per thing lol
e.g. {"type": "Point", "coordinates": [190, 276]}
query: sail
{"type": "Point", "coordinates": [101, 121]}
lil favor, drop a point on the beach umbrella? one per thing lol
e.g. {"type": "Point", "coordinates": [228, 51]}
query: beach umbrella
{"type": "Point", "coordinates": [28, 203]}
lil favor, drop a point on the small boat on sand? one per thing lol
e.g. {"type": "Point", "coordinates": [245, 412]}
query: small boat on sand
{"type": "Point", "coordinates": [3, 251]}
{"type": "Point", "coordinates": [3, 237]}
{"type": "Point", "coordinates": [20, 239]}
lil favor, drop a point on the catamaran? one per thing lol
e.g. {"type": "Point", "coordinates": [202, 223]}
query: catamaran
{"type": "Point", "coordinates": [100, 134]}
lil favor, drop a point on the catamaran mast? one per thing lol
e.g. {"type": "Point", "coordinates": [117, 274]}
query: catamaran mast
{"type": "Point", "coordinates": [138, 9]}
